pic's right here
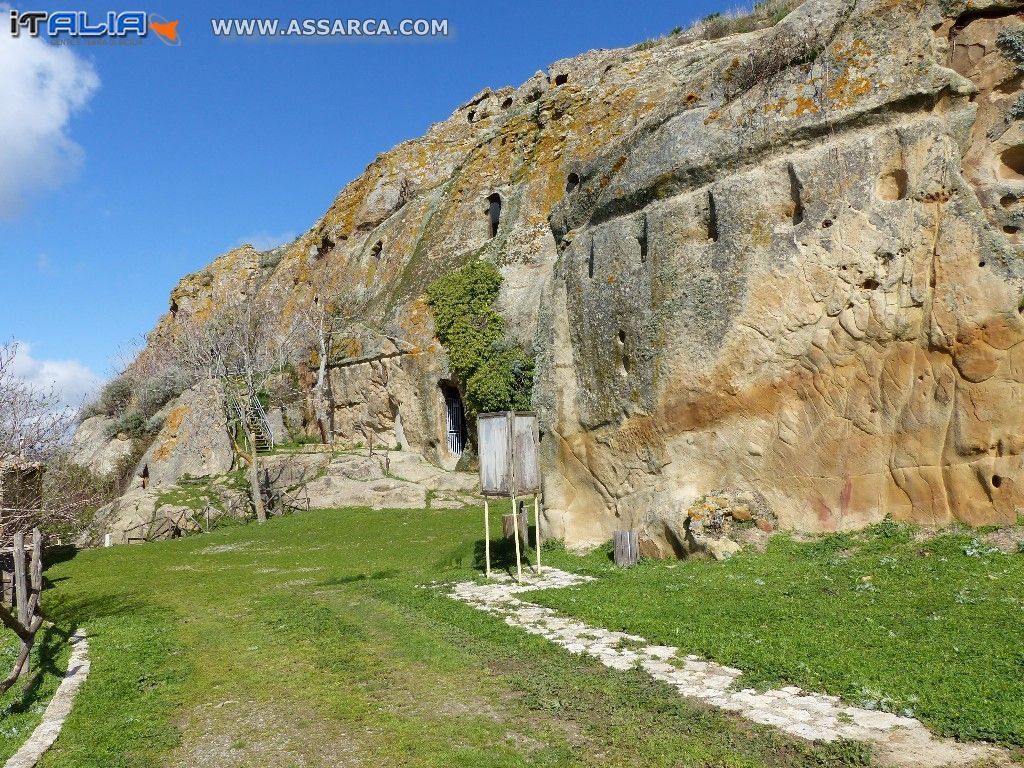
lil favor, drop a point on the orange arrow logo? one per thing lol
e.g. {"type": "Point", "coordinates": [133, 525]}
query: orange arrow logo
{"type": "Point", "coordinates": [168, 30]}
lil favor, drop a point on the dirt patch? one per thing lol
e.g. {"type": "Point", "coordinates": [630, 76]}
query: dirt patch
{"type": "Point", "coordinates": [1009, 540]}
{"type": "Point", "coordinates": [240, 734]}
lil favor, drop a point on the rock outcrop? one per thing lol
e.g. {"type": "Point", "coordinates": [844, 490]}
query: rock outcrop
{"type": "Point", "coordinates": [786, 261]}
{"type": "Point", "coordinates": [94, 448]}
{"type": "Point", "coordinates": [194, 439]}
{"type": "Point", "coordinates": [797, 285]}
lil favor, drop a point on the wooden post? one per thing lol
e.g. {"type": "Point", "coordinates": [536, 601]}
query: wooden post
{"type": "Point", "coordinates": [487, 537]}
{"type": "Point", "coordinates": [515, 526]}
{"type": "Point", "coordinates": [21, 588]}
{"type": "Point", "coordinates": [536, 529]}
{"type": "Point", "coordinates": [37, 563]}
{"type": "Point", "coordinates": [626, 548]}
{"type": "Point", "coordinates": [508, 527]}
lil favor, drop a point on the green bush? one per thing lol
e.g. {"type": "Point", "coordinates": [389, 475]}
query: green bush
{"type": "Point", "coordinates": [131, 423]}
{"type": "Point", "coordinates": [113, 399]}
{"type": "Point", "coordinates": [155, 393]}
{"type": "Point", "coordinates": [497, 374]}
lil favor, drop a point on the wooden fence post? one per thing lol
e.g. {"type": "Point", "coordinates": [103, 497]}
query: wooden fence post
{"type": "Point", "coordinates": [487, 537]}
{"type": "Point", "coordinates": [515, 532]}
{"type": "Point", "coordinates": [536, 529]}
{"type": "Point", "coordinates": [626, 548]}
{"type": "Point", "coordinates": [21, 587]}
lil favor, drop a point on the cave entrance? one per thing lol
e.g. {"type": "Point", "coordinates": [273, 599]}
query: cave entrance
{"type": "Point", "coordinates": [455, 418]}
{"type": "Point", "coordinates": [494, 212]}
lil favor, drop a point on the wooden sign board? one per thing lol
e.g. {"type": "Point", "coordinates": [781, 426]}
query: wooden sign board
{"type": "Point", "coordinates": [509, 448]}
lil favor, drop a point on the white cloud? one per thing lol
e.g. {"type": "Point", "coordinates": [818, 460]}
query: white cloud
{"type": "Point", "coordinates": [44, 264]}
{"type": "Point", "coordinates": [265, 241]}
{"type": "Point", "coordinates": [72, 382]}
{"type": "Point", "coordinates": [41, 87]}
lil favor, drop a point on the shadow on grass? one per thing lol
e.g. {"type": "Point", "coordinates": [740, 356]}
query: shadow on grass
{"type": "Point", "coordinates": [503, 554]}
{"type": "Point", "coordinates": [74, 610]}
{"type": "Point", "coordinates": [50, 641]}
{"type": "Point", "coordinates": [336, 581]}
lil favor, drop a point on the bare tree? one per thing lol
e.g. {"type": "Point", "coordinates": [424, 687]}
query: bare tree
{"type": "Point", "coordinates": [34, 427]}
{"type": "Point", "coordinates": [330, 314]}
{"type": "Point", "coordinates": [241, 346]}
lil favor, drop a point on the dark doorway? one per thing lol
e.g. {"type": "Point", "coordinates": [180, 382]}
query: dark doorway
{"type": "Point", "coordinates": [494, 212]}
{"type": "Point", "coordinates": [455, 419]}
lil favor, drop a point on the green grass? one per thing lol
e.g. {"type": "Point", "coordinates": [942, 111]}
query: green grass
{"type": "Point", "coordinates": [312, 641]}
{"type": "Point", "coordinates": [22, 706]}
{"type": "Point", "coordinates": [930, 628]}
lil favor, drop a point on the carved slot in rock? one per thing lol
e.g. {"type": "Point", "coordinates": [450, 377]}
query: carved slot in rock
{"type": "Point", "coordinates": [712, 219]}
{"type": "Point", "coordinates": [1012, 163]}
{"type": "Point", "coordinates": [795, 190]}
{"type": "Point", "coordinates": [571, 182]}
{"type": "Point", "coordinates": [590, 260]}
{"type": "Point", "coordinates": [642, 240]}
{"type": "Point", "coordinates": [494, 212]}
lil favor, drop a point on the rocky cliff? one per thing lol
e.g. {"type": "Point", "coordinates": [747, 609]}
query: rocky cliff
{"type": "Point", "coordinates": [785, 261]}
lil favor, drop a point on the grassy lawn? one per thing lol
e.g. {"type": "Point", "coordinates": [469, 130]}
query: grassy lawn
{"type": "Point", "coordinates": [884, 618]}
{"type": "Point", "coordinates": [21, 707]}
{"type": "Point", "coordinates": [310, 641]}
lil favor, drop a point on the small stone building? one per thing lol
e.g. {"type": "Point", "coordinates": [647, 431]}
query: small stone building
{"type": "Point", "coordinates": [21, 485]}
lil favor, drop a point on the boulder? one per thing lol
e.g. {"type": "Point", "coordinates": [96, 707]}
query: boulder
{"type": "Point", "coordinates": [94, 449]}
{"type": "Point", "coordinates": [193, 440]}
{"type": "Point", "coordinates": [278, 430]}
{"type": "Point", "coordinates": [338, 491]}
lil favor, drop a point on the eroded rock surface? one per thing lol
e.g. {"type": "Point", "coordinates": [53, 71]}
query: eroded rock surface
{"type": "Point", "coordinates": [786, 261]}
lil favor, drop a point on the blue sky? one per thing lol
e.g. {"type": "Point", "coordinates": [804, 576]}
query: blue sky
{"type": "Point", "coordinates": [159, 158]}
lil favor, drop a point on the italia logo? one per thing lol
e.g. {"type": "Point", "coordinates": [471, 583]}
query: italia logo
{"type": "Point", "coordinates": [118, 24]}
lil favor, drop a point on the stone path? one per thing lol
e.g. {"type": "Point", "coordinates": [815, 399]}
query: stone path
{"type": "Point", "coordinates": [57, 710]}
{"type": "Point", "coordinates": [896, 740]}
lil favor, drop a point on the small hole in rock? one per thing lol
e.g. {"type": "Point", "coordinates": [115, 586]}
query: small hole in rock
{"type": "Point", "coordinates": [893, 185]}
{"type": "Point", "coordinates": [996, 481]}
{"type": "Point", "coordinates": [622, 337]}
{"type": "Point", "coordinates": [377, 248]}
{"type": "Point", "coordinates": [561, 79]}
{"type": "Point", "coordinates": [981, 263]}
{"type": "Point", "coordinates": [1011, 230]}
{"type": "Point", "coordinates": [471, 115]}
{"type": "Point", "coordinates": [870, 284]}
{"type": "Point", "coordinates": [1007, 200]}
{"type": "Point", "coordinates": [571, 182]}
{"type": "Point", "coordinates": [506, 103]}
{"type": "Point", "coordinates": [1012, 161]}
{"type": "Point", "coordinates": [826, 223]}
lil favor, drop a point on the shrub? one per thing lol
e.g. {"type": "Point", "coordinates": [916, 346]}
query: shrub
{"type": "Point", "coordinates": [497, 374]}
{"type": "Point", "coordinates": [131, 423]}
{"type": "Point", "coordinates": [155, 393]}
{"type": "Point", "coordinates": [113, 399]}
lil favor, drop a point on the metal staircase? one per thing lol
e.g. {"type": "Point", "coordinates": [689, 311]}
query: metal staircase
{"type": "Point", "coordinates": [250, 409]}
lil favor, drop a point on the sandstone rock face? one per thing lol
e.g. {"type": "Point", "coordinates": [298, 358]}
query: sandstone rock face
{"type": "Point", "coordinates": [786, 261]}
{"type": "Point", "coordinates": [93, 449]}
{"type": "Point", "coordinates": [193, 440]}
{"type": "Point", "coordinates": [796, 286]}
